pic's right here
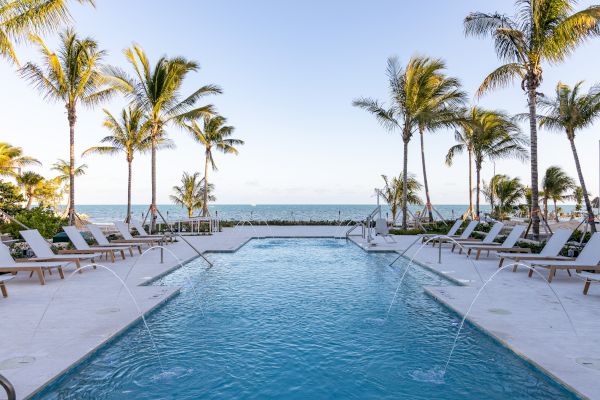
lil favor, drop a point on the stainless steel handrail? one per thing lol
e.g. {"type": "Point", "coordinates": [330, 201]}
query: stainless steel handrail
{"type": "Point", "coordinates": [10, 389]}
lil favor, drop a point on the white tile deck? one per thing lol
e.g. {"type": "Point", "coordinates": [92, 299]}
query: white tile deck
{"type": "Point", "coordinates": [86, 310]}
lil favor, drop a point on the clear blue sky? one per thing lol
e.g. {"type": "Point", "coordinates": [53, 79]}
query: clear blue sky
{"type": "Point", "coordinates": [289, 71]}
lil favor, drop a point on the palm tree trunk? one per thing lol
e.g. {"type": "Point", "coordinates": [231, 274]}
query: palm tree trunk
{"type": "Point", "coordinates": [153, 161]}
{"type": "Point", "coordinates": [190, 212]}
{"type": "Point", "coordinates": [470, 183]}
{"type": "Point", "coordinates": [586, 197]}
{"type": "Point", "coordinates": [405, 187]}
{"type": "Point", "coordinates": [425, 183]}
{"type": "Point", "coordinates": [128, 217]}
{"type": "Point", "coordinates": [546, 208]}
{"type": "Point", "coordinates": [72, 117]}
{"type": "Point", "coordinates": [535, 205]}
{"type": "Point", "coordinates": [29, 201]}
{"type": "Point", "coordinates": [555, 211]}
{"type": "Point", "coordinates": [205, 200]}
{"type": "Point", "coordinates": [478, 183]}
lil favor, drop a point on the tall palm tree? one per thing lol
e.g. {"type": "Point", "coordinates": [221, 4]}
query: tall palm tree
{"type": "Point", "coordinates": [12, 160]}
{"type": "Point", "coordinates": [19, 18]}
{"type": "Point", "coordinates": [29, 182]}
{"type": "Point", "coordinates": [129, 135]}
{"type": "Point", "coordinates": [541, 31]}
{"type": "Point", "coordinates": [157, 91]}
{"type": "Point", "coordinates": [213, 134]}
{"type": "Point", "coordinates": [191, 194]}
{"type": "Point", "coordinates": [570, 111]}
{"type": "Point", "coordinates": [440, 108]}
{"type": "Point", "coordinates": [63, 168]}
{"type": "Point", "coordinates": [72, 76]}
{"type": "Point", "coordinates": [557, 186]}
{"type": "Point", "coordinates": [486, 135]}
{"type": "Point", "coordinates": [509, 192]}
{"type": "Point", "coordinates": [392, 192]}
{"type": "Point", "coordinates": [410, 91]}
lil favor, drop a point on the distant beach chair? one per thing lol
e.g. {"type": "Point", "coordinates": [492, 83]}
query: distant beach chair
{"type": "Point", "coordinates": [3, 280]}
{"type": "Point", "coordinates": [103, 241]}
{"type": "Point", "coordinates": [487, 240]}
{"type": "Point", "coordinates": [83, 247]}
{"type": "Point", "coordinates": [464, 235]}
{"type": "Point", "coordinates": [8, 264]}
{"type": "Point", "coordinates": [451, 232]}
{"type": "Point", "coordinates": [550, 251]}
{"type": "Point", "coordinates": [145, 235]}
{"type": "Point", "coordinates": [381, 229]}
{"type": "Point", "coordinates": [128, 237]}
{"type": "Point", "coordinates": [507, 246]}
{"type": "Point", "coordinates": [43, 252]}
{"type": "Point", "coordinates": [588, 260]}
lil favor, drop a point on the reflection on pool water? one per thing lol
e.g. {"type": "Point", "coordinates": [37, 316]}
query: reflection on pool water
{"type": "Point", "coordinates": [303, 319]}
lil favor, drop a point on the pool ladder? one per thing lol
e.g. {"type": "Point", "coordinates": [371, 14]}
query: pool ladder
{"type": "Point", "coordinates": [10, 389]}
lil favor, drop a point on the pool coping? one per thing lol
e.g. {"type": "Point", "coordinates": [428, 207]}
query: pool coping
{"type": "Point", "coordinates": [176, 290]}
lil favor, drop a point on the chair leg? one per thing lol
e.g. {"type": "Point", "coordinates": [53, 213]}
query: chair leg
{"type": "Point", "coordinates": [3, 289]}
{"type": "Point", "coordinates": [112, 256]}
{"type": "Point", "coordinates": [40, 275]}
{"type": "Point", "coordinates": [61, 273]}
{"type": "Point", "coordinates": [478, 254]}
{"type": "Point", "coordinates": [530, 272]}
{"type": "Point", "coordinates": [586, 287]}
{"type": "Point", "coordinates": [551, 274]}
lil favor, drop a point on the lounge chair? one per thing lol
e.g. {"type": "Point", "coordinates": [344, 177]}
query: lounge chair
{"type": "Point", "coordinates": [103, 241]}
{"type": "Point", "coordinates": [145, 235]}
{"type": "Point", "coordinates": [128, 238]}
{"type": "Point", "coordinates": [8, 264]}
{"type": "Point", "coordinates": [82, 246]}
{"type": "Point", "coordinates": [3, 279]}
{"type": "Point", "coordinates": [381, 229]}
{"type": "Point", "coordinates": [508, 246]}
{"type": "Point", "coordinates": [589, 279]}
{"type": "Point", "coordinates": [550, 251]}
{"type": "Point", "coordinates": [464, 235]}
{"type": "Point", "coordinates": [43, 252]}
{"type": "Point", "coordinates": [451, 233]}
{"type": "Point", "coordinates": [587, 260]}
{"type": "Point", "coordinates": [487, 240]}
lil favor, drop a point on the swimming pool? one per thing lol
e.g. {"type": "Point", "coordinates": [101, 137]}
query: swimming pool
{"type": "Point", "coordinates": [302, 319]}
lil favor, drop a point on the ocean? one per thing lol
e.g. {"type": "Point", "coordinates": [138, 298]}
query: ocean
{"type": "Point", "coordinates": [287, 212]}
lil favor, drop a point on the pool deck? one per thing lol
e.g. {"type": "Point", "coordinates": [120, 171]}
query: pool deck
{"type": "Point", "coordinates": [46, 329]}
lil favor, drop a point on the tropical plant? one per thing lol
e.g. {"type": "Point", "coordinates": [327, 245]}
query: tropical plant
{"type": "Point", "coordinates": [157, 91]}
{"type": "Point", "coordinates": [19, 18]}
{"type": "Point", "coordinates": [486, 135]}
{"type": "Point", "coordinates": [129, 135]}
{"type": "Point", "coordinates": [72, 76]}
{"type": "Point", "coordinates": [578, 197]}
{"type": "Point", "coordinates": [489, 190]}
{"type": "Point", "coordinates": [190, 194]}
{"type": "Point", "coordinates": [212, 133]}
{"type": "Point", "coordinates": [411, 101]}
{"type": "Point", "coordinates": [12, 160]}
{"type": "Point", "coordinates": [557, 186]}
{"type": "Point", "coordinates": [40, 218]}
{"type": "Point", "coordinates": [10, 197]}
{"type": "Point", "coordinates": [63, 168]}
{"type": "Point", "coordinates": [509, 192]}
{"type": "Point", "coordinates": [570, 111]}
{"type": "Point", "coordinates": [30, 183]}
{"type": "Point", "coordinates": [542, 31]}
{"type": "Point", "coordinates": [392, 192]}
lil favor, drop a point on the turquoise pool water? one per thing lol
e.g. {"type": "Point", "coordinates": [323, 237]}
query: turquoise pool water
{"type": "Point", "coordinates": [302, 319]}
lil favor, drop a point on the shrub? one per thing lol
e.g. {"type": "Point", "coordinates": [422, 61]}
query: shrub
{"type": "Point", "coordinates": [42, 219]}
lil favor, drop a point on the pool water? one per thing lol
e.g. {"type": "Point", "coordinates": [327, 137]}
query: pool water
{"type": "Point", "coordinates": [303, 319]}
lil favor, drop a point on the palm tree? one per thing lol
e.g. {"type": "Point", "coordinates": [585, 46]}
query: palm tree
{"type": "Point", "coordinates": [213, 133]}
{"type": "Point", "coordinates": [29, 182]}
{"type": "Point", "coordinates": [71, 76]}
{"type": "Point", "coordinates": [129, 135]}
{"type": "Point", "coordinates": [410, 95]}
{"type": "Point", "coordinates": [156, 90]}
{"type": "Point", "coordinates": [12, 160]}
{"type": "Point", "coordinates": [569, 112]}
{"type": "Point", "coordinates": [63, 168]}
{"type": "Point", "coordinates": [489, 190]}
{"type": "Point", "coordinates": [487, 135]}
{"type": "Point", "coordinates": [509, 192]}
{"type": "Point", "coordinates": [191, 194]}
{"type": "Point", "coordinates": [392, 192]}
{"type": "Point", "coordinates": [557, 186]}
{"type": "Point", "coordinates": [542, 31]}
{"type": "Point", "coordinates": [19, 18]}
{"type": "Point", "coordinates": [578, 197]}
{"type": "Point", "coordinates": [440, 109]}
